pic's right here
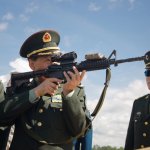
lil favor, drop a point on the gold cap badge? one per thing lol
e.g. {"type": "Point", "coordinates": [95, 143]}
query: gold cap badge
{"type": "Point", "coordinates": [46, 37]}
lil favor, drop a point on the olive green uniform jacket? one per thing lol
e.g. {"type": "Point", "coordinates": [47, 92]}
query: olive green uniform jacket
{"type": "Point", "coordinates": [138, 134]}
{"type": "Point", "coordinates": [47, 123]}
{"type": "Point", "coordinates": [4, 131]}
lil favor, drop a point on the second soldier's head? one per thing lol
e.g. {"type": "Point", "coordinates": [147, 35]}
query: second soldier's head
{"type": "Point", "coordinates": [147, 68]}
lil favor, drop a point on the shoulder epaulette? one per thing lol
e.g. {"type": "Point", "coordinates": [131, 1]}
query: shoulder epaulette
{"type": "Point", "coordinates": [143, 97]}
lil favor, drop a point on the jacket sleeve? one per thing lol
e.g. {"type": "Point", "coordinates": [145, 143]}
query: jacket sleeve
{"type": "Point", "coordinates": [12, 107]}
{"type": "Point", "coordinates": [74, 114]}
{"type": "Point", "coordinates": [129, 143]}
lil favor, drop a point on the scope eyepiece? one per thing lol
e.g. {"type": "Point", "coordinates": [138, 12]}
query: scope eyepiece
{"type": "Point", "coordinates": [71, 56]}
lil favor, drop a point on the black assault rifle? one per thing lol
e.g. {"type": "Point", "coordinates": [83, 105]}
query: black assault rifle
{"type": "Point", "coordinates": [67, 61]}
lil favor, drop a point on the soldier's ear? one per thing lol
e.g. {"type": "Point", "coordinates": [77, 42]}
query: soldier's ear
{"type": "Point", "coordinates": [31, 64]}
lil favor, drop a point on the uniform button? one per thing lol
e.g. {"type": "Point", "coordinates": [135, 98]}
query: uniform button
{"type": "Point", "coordinates": [142, 146]}
{"type": "Point", "coordinates": [39, 124]}
{"type": "Point", "coordinates": [144, 134]}
{"type": "Point", "coordinates": [40, 110]}
{"type": "Point", "coordinates": [146, 123]}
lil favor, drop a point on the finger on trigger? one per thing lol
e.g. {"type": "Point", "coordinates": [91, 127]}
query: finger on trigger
{"type": "Point", "coordinates": [66, 76]}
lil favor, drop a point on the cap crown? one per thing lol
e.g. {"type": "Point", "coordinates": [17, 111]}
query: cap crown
{"type": "Point", "coordinates": [44, 42]}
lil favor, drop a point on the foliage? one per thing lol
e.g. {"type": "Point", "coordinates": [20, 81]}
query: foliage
{"type": "Point", "coordinates": [97, 147]}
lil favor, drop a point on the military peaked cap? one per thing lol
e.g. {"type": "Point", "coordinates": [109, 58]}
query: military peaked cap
{"type": "Point", "coordinates": [147, 60]}
{"type": "Point", "coordinates": [44, 42]}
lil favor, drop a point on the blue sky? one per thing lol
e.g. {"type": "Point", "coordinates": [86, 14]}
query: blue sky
{"type": "Point", "coordinates": [86, 26]}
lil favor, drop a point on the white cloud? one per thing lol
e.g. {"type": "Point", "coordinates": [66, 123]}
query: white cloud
{"type": "Point", "coordinates": [32, 7]}
{"type": "Point", "coordinates": [8, 16]}
{"type": "Point", "coordinates": [24, 17]}
{"type": "Point", "coordinates": [60, 1]}
{"type": "Point", "coordinates": [20, 65]}
{"type": "Point", "coordinates": [94, 7]}
{"type": "Point", "coordinates": [5, 79]}
{"type": "Point", "coordinates": [67, 41]}
{"type": "Point", "coordinates": [3, 26]}
{"type": "Point", "coordinates": [114, 1]}
{"type": "Point", "coordinates": [132, 3]}
{"type": "Point", "coordinates": [110, 125]}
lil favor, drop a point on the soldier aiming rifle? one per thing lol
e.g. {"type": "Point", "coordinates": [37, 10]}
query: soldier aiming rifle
{"type": "Point", "coordinates": [52, 112]}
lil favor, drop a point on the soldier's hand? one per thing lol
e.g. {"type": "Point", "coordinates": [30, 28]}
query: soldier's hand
{"type": "Point", "coordinates": [48, 86]}
{"type": "Point", "coordinates": [73, 80]}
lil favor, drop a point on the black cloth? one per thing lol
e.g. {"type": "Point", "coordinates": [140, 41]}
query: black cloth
{"type": "Point", "coordinates": [138, 133]}
{"type": "Point", "coordinates": [56, 120]}
{"type": "Point", "coordinates": [3, 138]}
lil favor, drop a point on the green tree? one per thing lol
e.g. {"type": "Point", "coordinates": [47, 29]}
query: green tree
{"type": "Point", "coordinates": [97, 147]}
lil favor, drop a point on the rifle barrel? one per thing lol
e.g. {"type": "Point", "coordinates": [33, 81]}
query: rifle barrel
{"type": "Point", "coordinates": [88, 65]}
{"type": "Point", "coordinates": [130, 60]}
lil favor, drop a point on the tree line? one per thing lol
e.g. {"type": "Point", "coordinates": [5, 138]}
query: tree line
{"type": "Point", "coordinates": [96, 147]}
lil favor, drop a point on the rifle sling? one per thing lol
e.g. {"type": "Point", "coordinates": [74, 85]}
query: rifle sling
{"type": "Point", "coordinates": [102, 97]}
{"type": "Point", "coordinates": [100, 102]}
